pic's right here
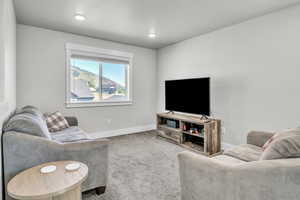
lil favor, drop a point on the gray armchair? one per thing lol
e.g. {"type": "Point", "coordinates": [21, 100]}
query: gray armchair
{"type": "Point", "coordinates": [23, 150]}
{"type": "Point", "coordinates": [231, 178]}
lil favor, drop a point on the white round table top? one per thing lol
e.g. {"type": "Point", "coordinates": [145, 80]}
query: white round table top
{"type": "Point", "coordinates": [32, 184]}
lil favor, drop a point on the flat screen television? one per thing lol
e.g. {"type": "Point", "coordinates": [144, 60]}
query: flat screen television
{"type": "Point", "coordinates": [188, 96]}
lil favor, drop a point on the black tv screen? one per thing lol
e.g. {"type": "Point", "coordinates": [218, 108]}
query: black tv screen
{"type": "Point", "coordinates": [188, 95]}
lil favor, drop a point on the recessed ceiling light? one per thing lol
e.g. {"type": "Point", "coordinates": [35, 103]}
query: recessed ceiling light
{"type": "Point", "coordinates": [151, 35]}
{"type": "Point", "coordinates": [79, 17]}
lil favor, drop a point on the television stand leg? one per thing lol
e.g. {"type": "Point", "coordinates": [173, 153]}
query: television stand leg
{"type": "Point", "coordinates": [170, 112]}
{"type": "Point", "coordinates": [203, 117]}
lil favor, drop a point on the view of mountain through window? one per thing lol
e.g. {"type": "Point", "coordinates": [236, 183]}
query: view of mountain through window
{"type": "Point", "coordinates": [94, 81]}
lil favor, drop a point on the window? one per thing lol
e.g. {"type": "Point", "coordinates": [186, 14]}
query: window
{"type": "Point", "coordinates": [97, 77]}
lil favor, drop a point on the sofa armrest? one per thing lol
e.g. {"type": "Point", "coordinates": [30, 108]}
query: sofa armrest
{"type": "Point", "coordinates": [204, 178]}
{"type": "Point", "coordinates": [22, 151]}
{"type": "Point", "coordinates": [72, 121]}
{"type": "Point", "coordinates": [258, 138]}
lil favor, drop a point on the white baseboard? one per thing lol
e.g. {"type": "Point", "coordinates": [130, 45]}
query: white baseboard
{"type": "Point", "coordinates": [137, 129]}
{"type": "Point", "coordinates": [125, 131]}
{"type": "Point", "coordinates": [225, 145]}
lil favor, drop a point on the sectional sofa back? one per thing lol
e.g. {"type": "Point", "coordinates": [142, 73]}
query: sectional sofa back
{"type": "Point", "coordinates": [28, 120]}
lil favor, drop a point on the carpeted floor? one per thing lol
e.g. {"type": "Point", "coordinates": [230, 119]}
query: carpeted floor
{"type": "Point", "coordinates": [141, 167]}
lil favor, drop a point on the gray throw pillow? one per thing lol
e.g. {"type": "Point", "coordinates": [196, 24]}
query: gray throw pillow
{"type": "Point", "coordinates": [28, 123]}
{"type": "Point", "coordinates": [284, 145]}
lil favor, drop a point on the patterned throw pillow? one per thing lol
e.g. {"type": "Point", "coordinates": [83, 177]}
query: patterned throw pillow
{"type": "Point", "coordinates": [279, 135]}
{"type": "Point", "coordinates": [268, 142]}
{"type": "Point", "coordinates": [56, 122]}
{"type": "Point", "coordinates": [286, 144]}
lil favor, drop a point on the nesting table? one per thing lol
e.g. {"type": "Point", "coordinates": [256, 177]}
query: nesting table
{"type": "Point", "coordinates": [61, 184]}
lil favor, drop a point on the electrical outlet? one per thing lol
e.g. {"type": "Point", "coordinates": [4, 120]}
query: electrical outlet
{"type": "Point", "coordinates": [223, 130]}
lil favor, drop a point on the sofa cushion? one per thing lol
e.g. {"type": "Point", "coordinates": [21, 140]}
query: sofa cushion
{"type": "Point", "coordinates": [285, 144]}
{"type": "Point", "coordinates": [56, 122]}
{"type": "Point", "coordinates": [27, 123]}
{"type": "Point", "coordinates": [245, 152]}
{"type": "Point", "coordinates": [71, 134]}
{"type": "Point", "coordinates": [228, 160]}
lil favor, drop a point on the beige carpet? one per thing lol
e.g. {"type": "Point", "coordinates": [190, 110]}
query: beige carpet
{"type": "Point", "coordinates": [141, 167]}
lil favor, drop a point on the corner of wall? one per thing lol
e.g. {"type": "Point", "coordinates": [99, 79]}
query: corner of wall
{"type": "Point", "coordinates": [8, 64]}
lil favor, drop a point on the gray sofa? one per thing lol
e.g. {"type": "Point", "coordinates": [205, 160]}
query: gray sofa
{"type": "Point", "coordinates": [35, 145]}
{"type": "Point", "coordinates": [240, 174]}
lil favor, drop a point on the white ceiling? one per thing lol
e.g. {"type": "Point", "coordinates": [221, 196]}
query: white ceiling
{"type": "Point", "coordinates": [129, 21]}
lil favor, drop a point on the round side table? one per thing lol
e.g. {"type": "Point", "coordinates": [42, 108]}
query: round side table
{"type": "Point", "coordinates": [61, 184]}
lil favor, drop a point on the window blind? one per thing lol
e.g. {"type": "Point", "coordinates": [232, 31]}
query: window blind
{"type": "Point", "coordinates": [100, 58]}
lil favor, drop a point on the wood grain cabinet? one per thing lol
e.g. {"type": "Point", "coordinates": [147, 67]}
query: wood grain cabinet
{"type": "Point", "coordinates": [195, 133]}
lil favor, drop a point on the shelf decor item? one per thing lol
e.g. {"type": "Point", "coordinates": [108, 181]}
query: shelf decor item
{"type": "Point", "coordinates": [171, 123]}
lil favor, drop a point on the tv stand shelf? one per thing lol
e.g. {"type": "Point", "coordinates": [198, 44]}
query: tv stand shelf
{"type": "Point", "coordinates": [191, 132]}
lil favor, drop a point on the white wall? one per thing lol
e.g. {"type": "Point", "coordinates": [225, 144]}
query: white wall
{"type": "Point", "coordinates": [41, 80]}
{"type": "Point", "coordinates": [1, 51]}
{"type": "Point", "coordinates": [255, 71]}
{"type": "Point", "coordinates": [7, 64]}
{"type": "Point", "coordinates": [7, 57]}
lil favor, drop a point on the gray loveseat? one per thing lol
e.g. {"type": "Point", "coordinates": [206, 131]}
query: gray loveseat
{"type": "Point", "coordinates": [35, 145]}
{"type": "Point", "coordinates": [240, 174]}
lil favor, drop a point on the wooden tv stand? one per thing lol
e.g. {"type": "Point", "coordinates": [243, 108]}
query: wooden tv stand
{"type": "Point", "coordinates": [194, 133]}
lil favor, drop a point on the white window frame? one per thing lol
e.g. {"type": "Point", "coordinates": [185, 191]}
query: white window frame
{"type": "Point", "coordinates": [101, 53]}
